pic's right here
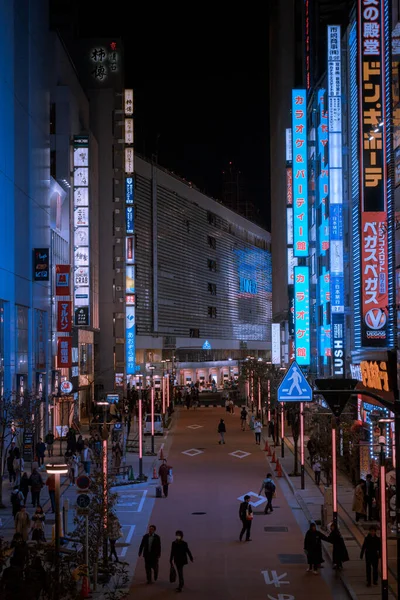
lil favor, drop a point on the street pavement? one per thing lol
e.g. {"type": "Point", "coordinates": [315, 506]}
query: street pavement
{"type": "Point", "coordinates": [209, 481]}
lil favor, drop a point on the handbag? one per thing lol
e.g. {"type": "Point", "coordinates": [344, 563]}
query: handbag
{"type": "Point", "coordinates": [249, 516]}
{"type": "Point", "coordinates": [172, 574]}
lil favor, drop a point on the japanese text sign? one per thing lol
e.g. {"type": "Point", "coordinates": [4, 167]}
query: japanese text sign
{"type": "Point", "coordinates": [300, 173]}
{"type": "Point", "coordinates": [64, 316]}
{"type": "Point", "coordinates": [64, 352]}
{"type": "Point", "coordinates": [62, 280]}
{"type": "Point", "coordinates": [302, 315]}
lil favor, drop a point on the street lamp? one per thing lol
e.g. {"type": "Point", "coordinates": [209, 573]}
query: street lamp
{"type": "Point", "coordinates": [105, 405]}
{"type": "Point", "coordinates": [283, 429]}
{"type": "Point", "coordinates": [302, 445]}
{"type": "Point", "coordinates": [57, 470]}
{"type": "Point", "coordinates": [151, 369]}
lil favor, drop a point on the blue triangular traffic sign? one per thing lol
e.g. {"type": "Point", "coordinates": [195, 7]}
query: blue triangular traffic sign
{"type": "Point", "coordinates": [294, 387]}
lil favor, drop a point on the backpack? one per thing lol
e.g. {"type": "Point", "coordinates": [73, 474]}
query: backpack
{"type": "Point", "coordinates": [269, 486]}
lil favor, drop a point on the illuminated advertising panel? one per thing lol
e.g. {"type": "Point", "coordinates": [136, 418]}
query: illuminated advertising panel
{"type": "Point", "coordinates": [276, 344]}
{"type": "Point", "coordinates": [130, 250]}
{"type": "Point", "coordinates": [129, 160]}
{"type": "Point", "coordinates": [128, 131]}
{"type": "Point", "coordinates": [130, 343]}
{"type": "Point", "coordinates": [302, 315]}
{"type": "Point", "coordinates": [129, 190]}
{"type": "Point", "coordinates": [130, 339]}
{"type": "Point", "coordinates": [300, 173]}
{"type": "Point", "coordinates": [373, 175]}
{"type": "Point", "coordinates": [128, 102]}
{"type": "Point", "coordinates": [81, 278]}
{"type": "Point", "coordinates": [129, 219]}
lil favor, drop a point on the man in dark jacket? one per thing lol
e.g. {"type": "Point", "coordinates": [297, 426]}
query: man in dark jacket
{"type": "Point", "coordinates": [40, 450]}
{"type": "Point", "coordinates": [369, 495]}
{"type": "Point", "coordinates": [151, 549]}
{"type": "Point", "coordinates": [269, 489]}
{"type": "Point", "coordinates": [246, 516]}
{"type": "Point", "coordinates": [179, 555]}
{"type": "Point", "coordinates": [36, 483]}
{"type": "Point", "coordinates": [372, 550]}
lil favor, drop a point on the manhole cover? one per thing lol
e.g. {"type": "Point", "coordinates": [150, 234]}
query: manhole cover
{"type": "Point", "coordinates": [276, 529]}
{"type": "Point", "coordinates": [292, 559]}
{"type": "Point", "coordinates": [199, 513]}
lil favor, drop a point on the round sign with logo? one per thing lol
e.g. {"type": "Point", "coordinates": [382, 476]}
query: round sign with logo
{"type": "Point", "coordinates": [66, 387]}
{"type": "Point", "coordinates": [82, 482]}
{"type": "Point", "coordinates": [83, 500]}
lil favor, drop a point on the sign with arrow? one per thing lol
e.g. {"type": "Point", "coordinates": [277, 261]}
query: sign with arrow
{"type": "Point", "coordinates": [336, 392]}
{"type": "Point", "coordinates": [294, 387]}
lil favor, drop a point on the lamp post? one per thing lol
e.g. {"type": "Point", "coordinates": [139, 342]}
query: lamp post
{"type": "Point", "coordinates": [164, 392]}
{"type": "Point", "coordinates": [105, 479]}
{"type": "Point", "coordinates": [140, 416]}
{"type": "Point", "coordinates": [302, 444]}
{"type": "Point", "coordinates": [282, 429]}
{"type": "Point", "coordinates": [334, 471]}
{"type": "Point", "coordinates": [151, 368]}
{"type": "Point", "coordinates": [57, 470]}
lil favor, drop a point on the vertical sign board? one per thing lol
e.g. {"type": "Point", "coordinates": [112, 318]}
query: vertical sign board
{"type": "Point", "coordinates": [336, 201]}
{"type": "Point", "coordinates": [41, 264]}
{"type": "Point", "coordinates": [299, 173]}
{"type": "Point", "coordinates": [62, 280]}
{"type": "Point", "coordinates": [81, 283]}
{"type": "Point", "coordinates": [276, 343]}
{"type": "Point", "coordinates": [130, 302]}
{"type": "Point", "coordinates": [291, 260]}
{"type": "Point", "coordinates": [302, 315]}
{"type": "Point", "coordinates": [373, 175]}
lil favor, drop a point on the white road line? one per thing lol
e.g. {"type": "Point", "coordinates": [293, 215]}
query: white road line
{"type": "Point", "coordinates": [142, 501]}
{"type": "Point", "coordinates": [127, 540]}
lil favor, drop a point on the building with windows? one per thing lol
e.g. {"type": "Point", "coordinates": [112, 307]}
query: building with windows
{"type": "Point", "coordinates": [203, 282]}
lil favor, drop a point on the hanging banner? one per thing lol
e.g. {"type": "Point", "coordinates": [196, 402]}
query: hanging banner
{"type": "Point", "coordinates": [302, 315]}
{"type": "Point", "coordinates": [62, 280]}
{"type": "Point", "coordinates": [64, 316]}
{"type": "Point", "coordinates": [300, 173]}
{"type": "Point", "coordinates": [64, 352]}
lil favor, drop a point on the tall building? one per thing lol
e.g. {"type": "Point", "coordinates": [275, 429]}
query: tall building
{"type": "Point", "coordinates": [234, 193]}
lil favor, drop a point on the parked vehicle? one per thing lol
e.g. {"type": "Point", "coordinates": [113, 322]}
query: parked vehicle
{"type": "Point", "coordinates": [158, 424]}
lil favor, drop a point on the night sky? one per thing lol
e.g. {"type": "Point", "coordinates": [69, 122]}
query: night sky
{"type": "Point", "coordinates": [201, 89]}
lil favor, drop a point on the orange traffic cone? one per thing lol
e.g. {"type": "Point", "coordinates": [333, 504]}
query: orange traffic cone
{"type": "Point", "coordinates": [269, 451]}
{"type": "Point", "coordinates": [278, 466]}
{"type": "Point", "coordinates": [273, 459]}
{"type": "Point", "coordinates": [279, 471]}
{"type": "Point", "coordinates": [155, 476]}
{"type": "Point", "coordinates": [266, 446]}
{"type": "Point", "coordinates": [161, 454]}
{"type": "Point", "coordinates": [85, 590]}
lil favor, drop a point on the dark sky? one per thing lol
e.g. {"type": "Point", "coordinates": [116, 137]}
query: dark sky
{"type": "Point", "coordinates": [201, 88]}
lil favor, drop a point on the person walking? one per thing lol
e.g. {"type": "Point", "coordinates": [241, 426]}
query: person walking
{"type": "Point", "coordinates": [243, 418]}
{"type": "Point", "coordinates": [80, 444]}
{"type": "Point", "coordinates": [49, 441]}
{"type": "Point", "coordinates": [339, 552]}
{"type": "Point", "coordinates": [269, 488]}
{"type": "Point", "coordinates": [246, 516]}
{"type": "Point", "coordinates": [36, 484]}
{"type": "Point", "coordinates": [73, 469]}
{"type": "Point", "coordinates": [221, 430]}
{"type": "Point", "coordinates": [17, 500]}
{"type": "Point", "coordinates": [313, 548]}
{"type": "Point", "coordinates": [40, 451]}
{"type": "Point", "coordinates": [116, 454]}
{"type": "Point", "coordinates": [372, 550]}
{"type": "Point", "coordinates": [257, 430]}
{"type": "Point", "coordinates": [359, 501]}
{"type": "Point", "coordinates": [18, 466]}
{"type": "Point", "coordinates": [114, 533]}
{"type": "Point", "coordinates": [37, 529]}
{"type": "Point", "coordinates": [311, 450]}
{"type": "Point", "coordinates": [51, 486]}
{"type": "Point", "coordinates": [24, 486]}
{"type": "Point", "coordinates": [271, 430]}
{"type": "Point", "coordinates": [369, 496]}
{"type": "Point", "coordinates": [150, 547]}
{"type": "Point", "coordinates": [317, 471]}
{"type": "Point", "coordinates": [179, 556]}
{"type": "Point", "coordinates": [164, 473]}
{"type": "Point", "coordinates": [10, 467]}
{"type": "Point", "coordinates": [87, 457]}
{"type": "Point", "coordinates": [22, 523]}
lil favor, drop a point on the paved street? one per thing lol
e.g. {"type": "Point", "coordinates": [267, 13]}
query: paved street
{"type": "Point", "coordinates": [209, 479]}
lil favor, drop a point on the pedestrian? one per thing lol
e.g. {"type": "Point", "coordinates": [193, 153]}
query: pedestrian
{"type": "Point", "coordinates": [17, 500]}
{"type": "Point", "coordinates": [51, 486]}
{"type": "Point", "coordinates": [36, 578]}
{"type": "Point", "coordinates": [232, 407]}
{"type": "Point", "coordinates": [372, 550]}
{"type": "Point", "coordinates": [313, 548]}
{"type": "Point", "coordinates": [12, 584]}
{"type": "Point", "coordinates": [269, 488]}
{"type": "Point", "coordinates": [20, 549]}
{"type": "Point", "coordinates": [150, 547]}
{"type": "Point", "coordinates": [369, 496]}
{"type": "Point", "coordinates": [73, 469]}
{"type": "Point", "coordinates": [257, 430]}
{"type": "Point", "coordinates": [40, 451]}
{"type": "Point", "coordinates": [243, 418]}
{"type": "Point", "coordinates": [80, 444]}
{"type": "Point", "coordinates": [359, 501]}
{"type": "Point", "coordinates": [10, 467]}
{"type": "Point", "coordinates": [227, 406]}
{"type": "Point", "coordinates": [165, 474]}
{"type": "Point", "coordinates": [116, 453]}
{"type": "Point", "coordinates": [36, 484]}
{"type": "Point", "coordinates": [187, 399]}
{"type": "Point", "coordinates": [311, 450]}
{"type": "Point", "coordinates": [19, 465]}
{"type": "Point", "coordinates": [246, 516]}
{"type": "Point", "coordinates": [24, 486]}
{"type": "Point", "coordinates": [37, 529]}
{"type": "Point", "coordinates": [114, 534]}
{"type": "Point", "coordinates": [22, 523]}
{"type": "Point", "coordinates": [339, 552]}
{"type": "Point", "coordinates": [271, 430]}
{"type": "Point", "coordinates": [179, 556]}
{"type": "Point", "coordinates": [87, 457]}
{"type": "Point", "coordinates": [221, 430]}
{"type": "Point", "coordinates": [317, 471]}
{"type": "Point", "coordinates": [71, 440]}
{"type": "Point", "coordinates": [49, 441]}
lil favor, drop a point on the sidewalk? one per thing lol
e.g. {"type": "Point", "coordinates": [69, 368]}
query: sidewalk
{"type": "Point", "coordinates": [311, 499]}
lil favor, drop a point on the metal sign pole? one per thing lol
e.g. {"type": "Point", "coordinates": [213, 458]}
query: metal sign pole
{"type": "Point", "coordinates": [302, 445]}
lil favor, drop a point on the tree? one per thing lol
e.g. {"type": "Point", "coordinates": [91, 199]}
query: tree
{"type": "Point", "coordinates": [253, 370]}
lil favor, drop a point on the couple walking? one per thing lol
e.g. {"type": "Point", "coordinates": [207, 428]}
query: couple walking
{"type": "Point", "coordinates": [246, 511]}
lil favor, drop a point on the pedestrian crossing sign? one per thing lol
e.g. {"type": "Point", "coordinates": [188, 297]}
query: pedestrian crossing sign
{"type": "Point", "coordinates": [294, 387]}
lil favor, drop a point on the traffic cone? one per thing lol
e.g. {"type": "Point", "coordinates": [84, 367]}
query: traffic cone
{"type": "Point", "coordinates": [161, 454]}
{"type": "Point", "coordinates": [85, 590]}
{"type": "Point", "coordinates": [266, 446]}
{"type": "Point", "coordinates": [154, 474]}
{"type": "Point", "coordinates": [279, 471]}
{"type": "Point", "coordinates": [278, 465]}
{"type": "Point", "coordinates": [269, 451]}
{"type": "Point", "coordinates": [273, 459]}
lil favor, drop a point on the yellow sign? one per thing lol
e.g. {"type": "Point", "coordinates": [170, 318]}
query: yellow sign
{"type": "Point", "coordinates": [374, 375]}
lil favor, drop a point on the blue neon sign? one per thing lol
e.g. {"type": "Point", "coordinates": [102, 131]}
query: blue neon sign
{"type": "Point", "coordinates": [130, 340]}
{"type": "Point", "coordinates": [300, 173]}
{"type": "Point", "coordinates": [302, 314]}
{"type": "Point", "coordinates": [129, 219]}
{"type": "Point", "coordinates": [129, 190]}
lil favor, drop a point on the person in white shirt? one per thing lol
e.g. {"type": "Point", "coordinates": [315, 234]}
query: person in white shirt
{"type": "Point", "coordinates": [257, 430]}
{"type": "Point", "coordinates": [317, 471]}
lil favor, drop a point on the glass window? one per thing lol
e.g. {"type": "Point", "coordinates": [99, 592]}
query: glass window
{"type": "Point", "coordinates": [85, 359]}
{"type": "Point", "coordinates": [22, 338]}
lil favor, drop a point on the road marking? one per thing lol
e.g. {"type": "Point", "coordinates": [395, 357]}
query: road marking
{"type": "Point", "coordinates": [194, 426]}
{"type": "Point", "coordinates": [240, 454]}
{"type": "Point", "coordinates": [260, 500]}
{"type": "Point", "coordinates": [275, 579]}
{"type": "Point", "coordinates": [142, 501]}
{"type": "Point", "coordinates": [192, 452]}
{"type": "Point", "coordinates": [127, 540]}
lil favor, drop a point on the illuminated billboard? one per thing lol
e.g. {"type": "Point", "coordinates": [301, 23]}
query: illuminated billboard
{"type": "Point", "coordinates": [300, 173]}
{"type": "Point", "coordinates": [374, 121]}
{"type": "Point", "coordinates": [81, 283]}
{"type": "Point", "coordinates": [130, 303]}
{"type": "Point", "coordinates": [302, 315]}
